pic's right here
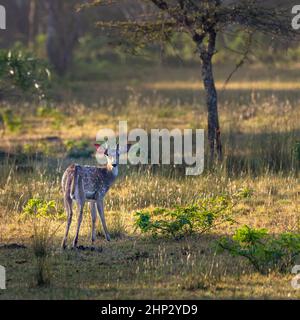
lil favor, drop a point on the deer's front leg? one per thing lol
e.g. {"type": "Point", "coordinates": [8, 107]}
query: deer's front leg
{"type": "Point", "coordinates": [94, 217]}
{"type": "Point", "coordinates": [80, 204]}
{"type": "Point", "coordinates": [100, 208]}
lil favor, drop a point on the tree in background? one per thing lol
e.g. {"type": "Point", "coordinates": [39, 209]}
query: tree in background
{"type": "Point", "coordinates": [62, 34]}
{"type": "Point", "coordinates": [203, 21]}
{"type": "Point", "coordinates": [22, 73]}
{"type": "Point", "coordinates": [32, 21]}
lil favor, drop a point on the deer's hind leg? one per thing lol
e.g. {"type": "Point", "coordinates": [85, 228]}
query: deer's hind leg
{"type": "Point", "coordinates": [94, 218]}
{"type": "Point", "coordinates": [68, 207]}
{"type": "Point", "coordinates": [80, 199]}
{"type": "Point", "coordinates": [80, 205]}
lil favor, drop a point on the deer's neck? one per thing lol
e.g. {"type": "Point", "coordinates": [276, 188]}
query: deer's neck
{"type": "Point", "coordinates": [112, 168]}
{"type": "Point", "coordinates": [115, 171]}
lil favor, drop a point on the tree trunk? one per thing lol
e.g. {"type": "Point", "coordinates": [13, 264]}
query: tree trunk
{"type": "Point", "coordinates": [32, 22]}
{"type": "Point", "coordinates": [214, 133]}
{"type": "Point", "coordinates": [62, 34]}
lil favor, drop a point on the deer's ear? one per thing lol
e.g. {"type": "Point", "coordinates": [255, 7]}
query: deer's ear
{"type": "Point", "coordinates": [99, 148]}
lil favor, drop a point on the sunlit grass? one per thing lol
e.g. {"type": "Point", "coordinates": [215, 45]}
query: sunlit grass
{"type": "Point", "coordinates": [240, 85]}
{"type": "Point", "coordinates": [131, 264]}
{"type": "Point", "coordinates": [259, 137]}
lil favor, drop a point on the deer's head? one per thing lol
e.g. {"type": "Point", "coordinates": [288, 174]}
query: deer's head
{"type": "Point", "coordinates": [110, 155]}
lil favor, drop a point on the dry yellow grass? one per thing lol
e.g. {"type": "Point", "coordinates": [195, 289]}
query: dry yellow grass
{"type": "Point", "coordinates": [240, 85]}
{"type": "Point", "coordinates": [259, 135]}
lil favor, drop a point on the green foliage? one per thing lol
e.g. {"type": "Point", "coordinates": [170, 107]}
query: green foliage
{"type": "Point", "coordinates": [264, 251]}
{"type": "Point", "coordinates": [93, 59]}
{"type": "Point", "coordinates": [200, 217]}
{"type": "Point", "coordinates": [38, 208]}
{"type": "Point", "coordinates": [39, 149]}
{"type": "Point", "coordinates": [245, 193]}
{"type": "Point", "coordinates": [297, 150]}
{"type": "Point", "coordinates": [249, 236]}
{"type": "Point", "coordinates": [21, 71]}
{"type": "Point", "coordinates": [10, 121]}
{"type": "Point", "coordinates": [79, 149]}
{"type": "Point", "coordinates": [180, 47]}
{"type": "Point", "coordinates": [45, 111]}
{"type": "Point", "coordinates": [56, 115]}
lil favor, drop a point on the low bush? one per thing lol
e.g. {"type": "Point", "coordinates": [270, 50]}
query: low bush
{"type": "Point", "coordinates": [79, 149]}
{"type": "Point", "coordinates": [39, 208]}
{"type": "Point", "coordinates": [10, 121]}
{"type": "Point", "coordinates": [264, 251]}
{"type": "Point", "coordinates": [199, 217]}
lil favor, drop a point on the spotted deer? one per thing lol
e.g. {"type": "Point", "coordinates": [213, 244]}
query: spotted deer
{"type": "Point", "coordinates": [89, 184]}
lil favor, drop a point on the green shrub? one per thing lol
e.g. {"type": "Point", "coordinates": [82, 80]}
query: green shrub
{"type": "Point", "coordinates": [38, 208]}
{"type": "Point", "coordinates": [11, 122]}
{"type": "Point", "coordinates": [264, 251]}
{"type": "Point", "coordinates": [54, 114]}
{"type": "Point", "coordinates": [200, 217]}
{"type": "Point", "coordinates": [46, 111]}
{"type": "Point", "coordinates": [79, 149]}
{"type": "Point", "coordinates": [39, 149]}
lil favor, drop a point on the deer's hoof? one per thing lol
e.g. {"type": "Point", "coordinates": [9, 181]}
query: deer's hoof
{"type": "Point", "coordinates": [108, 237]}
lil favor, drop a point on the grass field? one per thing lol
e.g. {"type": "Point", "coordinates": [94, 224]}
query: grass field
{"type": "Point", "coordinates": [260, 112]}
